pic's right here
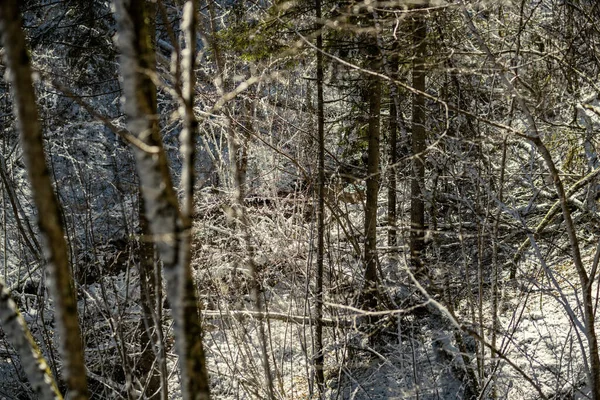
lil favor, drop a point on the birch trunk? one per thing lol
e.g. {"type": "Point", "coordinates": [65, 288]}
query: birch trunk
{"type": "Point", "coordinates": [170, 227]}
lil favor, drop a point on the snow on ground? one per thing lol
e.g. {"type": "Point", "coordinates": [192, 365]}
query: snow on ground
{"type": "Point", "coordinates": [418, 357]}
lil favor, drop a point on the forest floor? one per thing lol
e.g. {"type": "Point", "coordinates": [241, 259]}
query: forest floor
{"type": "Point", "coordinates": [535, 334]}
{"type": "Point", "coordinates": [416, 354]}
{"type": "Point", "coordinates": [416, 357]}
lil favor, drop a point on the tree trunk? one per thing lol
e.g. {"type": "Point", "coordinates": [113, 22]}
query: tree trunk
{"type": "Point", "coordinates": [152, 350]}
{"type": "Point", "coordinates": [149, 323]}
{"type": "Point", "coordinates": [393, 157]}
{"type": "Point", "coordinates": [417, 189]}
{"type": "Point", "coordinates": [62, 286]}
{"type": "Point", "coordinates": [370, 295]}
{"type": "Point", "coordinates": [171, 229]}
{"type": "Point", "coordinates": [319, 356]}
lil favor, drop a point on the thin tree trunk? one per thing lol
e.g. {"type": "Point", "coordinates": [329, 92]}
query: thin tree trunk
{"type": "Point", "coordinates": [62, 286]}
{"type": "Point", "coordinates": [417, 203]}
{"type": "Point", "coordinates": [151, 354]}
{"type": "Point", "coordinates": [171, 229]}
{"type": "Point", "coordinates": [496, 272]}
{"type": "Point", "coordinates": [370, 293]}
{"type": "Point", "coordinates": [319, 356]}
{"type": "Point", "coordinates": [393, 157]}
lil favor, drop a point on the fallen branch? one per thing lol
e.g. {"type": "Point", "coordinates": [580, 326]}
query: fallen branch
{"type": "Point", "coordinates": [297, 319]}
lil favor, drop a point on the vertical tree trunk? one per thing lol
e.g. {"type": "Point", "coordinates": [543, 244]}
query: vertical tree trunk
{"type": "Point", "coordinates": [417, 203]}
{"type": "Point", "coordinates": [170, 227]}
{"type": "Point", "coordinates": [319, 356]}
{"type": "Point", "coordinates": [62, 286]}
{"type": "Point", "coordinates": [149, 324]}
{"type": "Point", "coordinates": [370, 293]}
{"type": "Point", "coordinates": [393, 156]}
{"type": "Point", "coordinates": [496, 271]}
{"type": "Point", "coordinates": [149, 329]}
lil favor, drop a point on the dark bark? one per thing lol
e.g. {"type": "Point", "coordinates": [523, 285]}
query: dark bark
{"type": "Point", "coordinates": [149, 323]}
{"type": "Point", "coordinates": [417, 201]}
{"type": "Point", "coordinates": [370, 295]}
{"type": "Point", "coordinates": [393, 156]}
{"type": "Point", "coordinates": [62, 286]}
{"type": "Point", "coordinates": [319, 356]}
{"type": "Point", "coordinates": [148, 328]}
